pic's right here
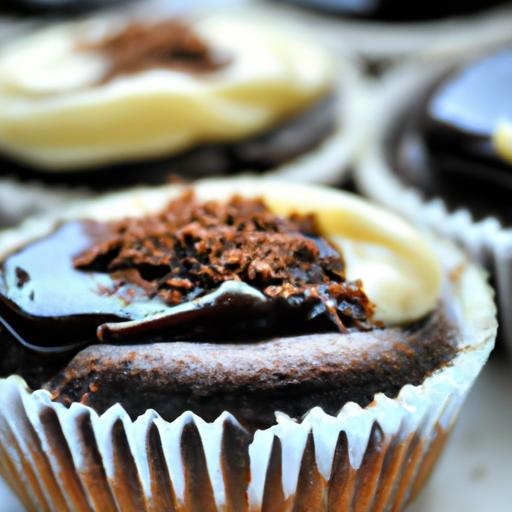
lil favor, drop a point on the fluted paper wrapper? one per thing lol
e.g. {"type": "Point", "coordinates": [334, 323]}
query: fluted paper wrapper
{"type": "Point", "coordinates": [486, 240]}
{"type": "Point", "coordinates": [364, 459]}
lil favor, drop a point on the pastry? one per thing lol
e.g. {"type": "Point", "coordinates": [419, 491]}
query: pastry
{"type": "Point", "coordinates": [184, 338]}
{"type": "Point", "coordinates": [104, 104]}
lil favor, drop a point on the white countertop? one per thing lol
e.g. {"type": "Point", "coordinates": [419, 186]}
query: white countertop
{"type": "Point", "coordinates": [475, 473]}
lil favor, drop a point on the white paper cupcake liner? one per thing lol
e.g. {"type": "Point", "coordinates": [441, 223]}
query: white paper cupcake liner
{"type": "Point", "coordinates": [373, 459]}
{"type": "Point", "coordinates": [486, 240]}
{"type": "Point", "coordinates": [392, 42]}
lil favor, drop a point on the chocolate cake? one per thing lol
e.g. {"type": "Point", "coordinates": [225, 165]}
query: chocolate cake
{"type": "Point", "coordinates": [205, 306]}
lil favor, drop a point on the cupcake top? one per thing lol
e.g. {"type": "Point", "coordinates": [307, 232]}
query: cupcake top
{"type": "Point", "coordinates": [471, 110]}
{"type": "Point", "coordinates": [393, 10]}
{"type": "Point", "coordinates": [461, 130]}
{"type": "Point", "coordinates": [80, 95]}
{"type": "Point", "coordinates": [198, 292]}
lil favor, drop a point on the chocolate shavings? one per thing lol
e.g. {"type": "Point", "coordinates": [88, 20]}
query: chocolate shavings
{"type": "Point", "coordinates": [168, 44]}
{"type": "Point", "coordinates": [191, 248]}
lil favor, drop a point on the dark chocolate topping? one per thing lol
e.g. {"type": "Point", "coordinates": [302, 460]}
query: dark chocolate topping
{"type": "Point", "coordinates": [443, 144]}
{"type": "Point", "coordinates": [462, 115]}
{"type": "Point", "coordinates": [175, 274]}
{"type": "Point", "coordinates": [397, 10]}
{"type": "Point", "coordinates": [167, 44]}
{"type": "Point", "coordinates": [472, 100]}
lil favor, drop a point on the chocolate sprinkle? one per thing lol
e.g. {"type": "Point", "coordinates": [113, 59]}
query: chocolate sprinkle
{"type": "Point", "coordinates": [22, 277]}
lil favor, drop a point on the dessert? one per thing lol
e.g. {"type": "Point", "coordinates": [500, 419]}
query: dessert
{"type": "Point", "coordinates": [130, 102]}
{"type": "Point", "coordinates": [444, 147]}
{"type": "Point", "coordinates": [463, 125]}
{"type": "Point", "coordinates": [302, 321]}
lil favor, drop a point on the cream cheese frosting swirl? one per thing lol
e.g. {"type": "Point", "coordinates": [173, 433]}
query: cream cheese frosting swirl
{"type": "Point", "coordinates": [56, 114]}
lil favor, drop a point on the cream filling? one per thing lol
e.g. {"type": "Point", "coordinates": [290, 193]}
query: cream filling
{"type": "Point", "coordinates": [502, 140]}
{"type": "Point", "coordinates": [399, 268]}
{"type": "Point", "coordinates": [54, 115]}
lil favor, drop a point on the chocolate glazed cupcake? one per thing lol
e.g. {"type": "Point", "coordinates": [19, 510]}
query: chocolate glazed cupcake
{"type": "Point", "coordinates": [234, 346]}
{"type": "Point", "coordinates": [130, 102]}
{"type": "Point", "coordinates": [443, 146]}
{"type": "Point", "coordinates": [386, 31]}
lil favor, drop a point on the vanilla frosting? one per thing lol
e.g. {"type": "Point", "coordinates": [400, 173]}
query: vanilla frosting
{"type": "Point", "coordinates": [399, 269]}
{"type": "Point", "coordinates": [55, 114]}
{"type": "Point", "coordinates": [502, 139]}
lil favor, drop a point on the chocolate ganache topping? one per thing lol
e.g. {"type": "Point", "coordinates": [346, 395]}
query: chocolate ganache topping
{"type": "Point", "coordinates": [196, 270]}
{"type": "Point", "coordinates": [169, 44]}
{"type": "Point", "coordinates": [457, 143]}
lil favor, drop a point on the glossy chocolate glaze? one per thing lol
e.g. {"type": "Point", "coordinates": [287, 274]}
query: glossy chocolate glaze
{"type": "Point", "coordinates": [44, 290]}
{"type": "Point", "coordinates": [397, 10]}
{"type": "Point", "coordinates": [442, 144]}
{"type": "Point", "coordinates": [293, 138]}
{"type": "Point", "coordinates": [34, 291]}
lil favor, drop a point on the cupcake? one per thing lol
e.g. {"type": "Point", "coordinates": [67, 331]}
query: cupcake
{"type": "Point", "coordinates": [385, 31]}
{"type": "Point", "coordinates": [442, 145]}
{"type": "Point", "coordinates": [232, 345]}
{"type": "Point", "coordinates": [106, 103]}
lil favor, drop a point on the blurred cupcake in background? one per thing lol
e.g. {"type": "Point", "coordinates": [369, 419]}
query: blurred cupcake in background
{"type": "Point", "coordinates": [384, 31]}
{"type": "Point", "coordinates": [238, 344]}
{"type": "Point", "coordinates": [106, 103]}
{"type": "Point", "coordinates": [441, 153]}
